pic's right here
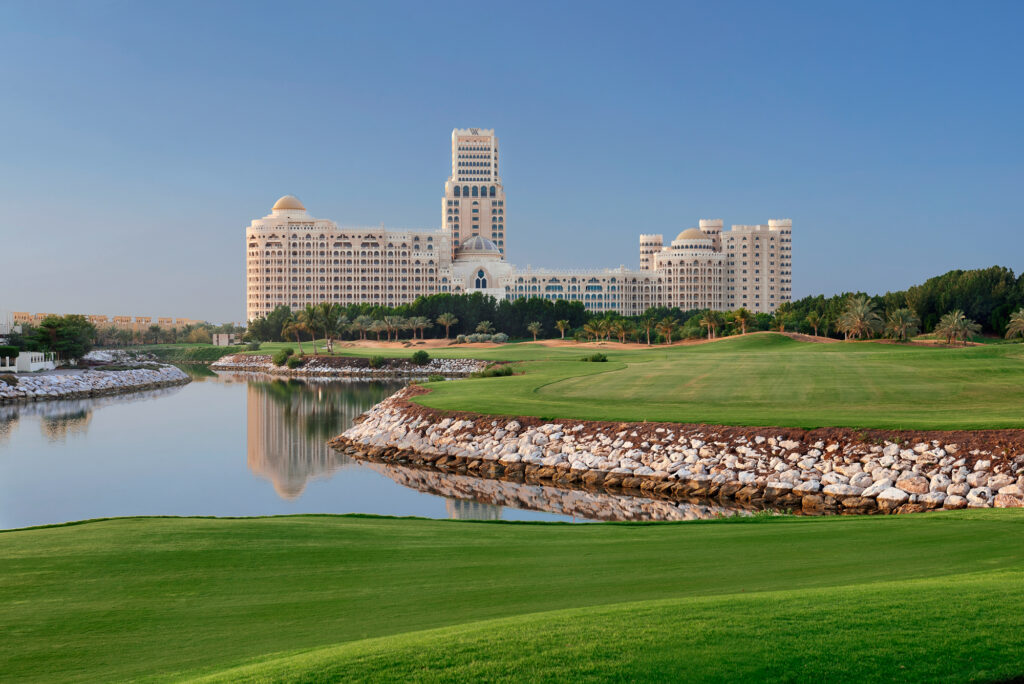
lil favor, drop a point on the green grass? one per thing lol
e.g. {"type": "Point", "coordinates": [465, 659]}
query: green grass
{"type": "Point", "coordinates": [187, 353]}
{"type": "Point", "coordinates": [320, 598]}
{"type": "Point", "coordinates": [764, 379]}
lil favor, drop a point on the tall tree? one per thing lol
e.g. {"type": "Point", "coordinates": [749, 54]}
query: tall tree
{"type": "Point", "coordinates": [562, 325]}
{"type": "Point", "coordinates": [447, 319]}
{"type": "Point", "coordinates": [535, 329]}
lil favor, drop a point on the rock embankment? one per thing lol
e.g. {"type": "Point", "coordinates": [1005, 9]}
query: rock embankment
{"type": "Point", "coordinates": [755, 467]}
{"type": "Point", "coordinates": [571, 501]}
{"type": "Point", "coordinates": [355, 366]}
{"type": "Point", "coordinates": [88, 383]}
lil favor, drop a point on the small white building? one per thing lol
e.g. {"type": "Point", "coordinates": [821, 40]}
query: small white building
{"type": "Point", "coordinates": [225, 339]}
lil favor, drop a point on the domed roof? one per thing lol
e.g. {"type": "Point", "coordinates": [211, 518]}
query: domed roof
{"type": "Point", "coordinates": [289, 202]}
{"type": "Point", "coordinates": [478, 243]}
{"type": "Point", "coordinates": [691, 234]}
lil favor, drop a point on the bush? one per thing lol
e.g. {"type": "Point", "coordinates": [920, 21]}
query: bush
{"type": "Point", "coordinates": [253, 346]}
{"type": "Point", "coordinates": [288, 351]}
{"type": "Point", "coordinates": [479, 337]}
{"type": "Point", "coordinates": [378, 361]}
{"type": "Point", "coordinates": [494, 371]}
{"type": "Point", "coordinates": [280, 358]}
{"type": "Point", "coordinates": [435, 377]}
{"type": "Point", "coordinates": [500, 338]}
{"type": "Point", "coordinates": [421, 358]}
{"type": "Point", "coordinates": [596, 358]}
{"type": "Point", "coordinates": [460, 339]}
{"type": "Point", "coordinates": [9, 350]}
{"type": "Point", "coordinates": [294, 362]}
{"type": "Point", "coordinates": [12, 381]}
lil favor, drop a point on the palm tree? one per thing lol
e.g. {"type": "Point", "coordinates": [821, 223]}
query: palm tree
{"type": "Point", "coordinates": [947, 325]}
{"type": "Point", "coordinates": [666, 327]}
{"type": "Point", "coordinates": [332, 322]}
{"type": "Point", "coordinates": [378, 327]}
{"type": "Point", "coordinates": [485, 328]}
{"type": "Point", "coordinates": [965, 328]}
{"type": "Point", "coordinates": [901, 324]}
{"type": "Point", "coordinates": [563, 325]}
{"type": "Point", "coordinates": [859, 318]}
{"type": "Point", "coordinates": [360, 325]}
{"type": "Point", "coordinates": [1016, 325]}
{"type": "Point", "coordinates": [603, 328]}
{"type": "Point", "coordinates": [535, 328]}
{"type": "Point", "coordinates": [779, 321]}
{"type": "Point", "coordinates": [743, 317]}
{"type": "Point", "coordinates": [647, 324]}
{"type": "Point", "coordinates": [710, 320]}
{"type": "Point", "coordinates": [621, 328]}
{"type": "Point", "coordinates": [295, 327]}
{"type": "Point", "coordinates": [394, 324]}
{"type": "Point", "coordinates": [419, 324]}
{"type": "Point", "coordinates": [310, 320]}
{"type": "Point", "coordinates": [591, 330]}
{"type": "Point", "coordinates": [814, 320]}
{"type": "Point", "coordinates": [447, 319]}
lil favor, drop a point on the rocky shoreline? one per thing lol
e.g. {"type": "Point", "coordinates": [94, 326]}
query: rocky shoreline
{"type": "Point", "coordinates": [348, 366]}
{"type": "Point", "coordinates": [89, 383]}
{"type": "Point", "coordinates": [814, 472]}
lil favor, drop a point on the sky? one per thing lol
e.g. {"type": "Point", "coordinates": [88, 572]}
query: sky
{"type": "Point", "coordinates": [138, 139]}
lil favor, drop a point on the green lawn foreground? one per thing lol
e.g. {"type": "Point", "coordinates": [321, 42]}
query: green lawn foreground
{"type": "Point", "coordinates": [764, 379]}
{"type": "Point", "coordinates": [319, 598]}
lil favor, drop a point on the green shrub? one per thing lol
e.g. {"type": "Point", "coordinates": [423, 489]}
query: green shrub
{"type": "Point", "coordinates": [9, 350]}
{"type": "Point", "coordinates": [495, 370]}
{"type": "Point", "coordinates": [294, 362]}
{"type": "Point", "coordinates": [253, 346]}
{"type": "Point", "coordinates": [288, 351]}
{"type": "Point", "coordinates": [500, 338]}
{"type": "Point", "coordinates": [435, 377]}
{"type": "Point", "coordinates": [281, 357]}
{"type": "Point", "coordinates": [596, 358]}
{"type": "Point", "coordinates": [460, 339]}
{"type": "Point", "coordinates": [378, 361]}
{"type": "Point", "coordinates": [421, 358]}
{"type": "Point", "coordinates": [12, 381]}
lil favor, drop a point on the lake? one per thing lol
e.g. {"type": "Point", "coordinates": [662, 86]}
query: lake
{"type": "Point", "coordinates": [236, 444]}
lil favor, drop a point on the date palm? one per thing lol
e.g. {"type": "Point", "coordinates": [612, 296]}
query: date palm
{"type": "Point", "coordinates": [814, 320]}
{"type": "Point", "coordinates": [901, 324]}
{"type": "Point", "coordinates": [591, 330]}
{"type": "Point", "coordinates": [310, 319]}
{"type": "Point", "coordinates": [360, 325]}
{"type": "Point", "coordinates": [378, 327]}
{"type": "Point", "coordinates": [666, 327]}
{"type": "Point", "coordinates": [1016, 325]}
{"type": "Point", "coordinates": [447, 319]}
{"type": "Point", "coordinates": [394, 324]}
{"type": "Point", "coordinates": [621, 328]}
{"type": "Point", "coordinates": [535, 329]}
{"type": "Point", "coordinates": [332, 322]}
{"type": "Point", "coordinates": [562, 326]}
{"type": "Point", "coordinates": [294, 327]}
{"type": "Point", "coordinates": [646, 323]}
{"type": "Point", "coordinates": [859, 319]}
{"type": "Point", "coordinates": [710, 320]}
{"type": "Point", "coordinates": [743, 317]}
{"type": "Point", "coordinates": [419, 324]}
{"type": "Point", "coordinates": [485, 328]}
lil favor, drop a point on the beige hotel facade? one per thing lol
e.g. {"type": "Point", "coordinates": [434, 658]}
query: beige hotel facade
{"type": "Point", "coordinates": [294, 259]}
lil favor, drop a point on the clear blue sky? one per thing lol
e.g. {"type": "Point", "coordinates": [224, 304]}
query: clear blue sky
{"type": "Point", "coordinates": [139, 138]}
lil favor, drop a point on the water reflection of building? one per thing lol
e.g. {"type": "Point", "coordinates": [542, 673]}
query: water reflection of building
{"type": "Point", "coordinates": [57, 427]}
{"type": "Point", "coordinates": [289, 422]}
{"type": "Point", "coordinates": [467, 509]}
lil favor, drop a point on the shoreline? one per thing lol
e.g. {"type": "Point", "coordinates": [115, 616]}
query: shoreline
{"type": "Point", "coordinates": [830, 470]}
{"type": "Point", "coordinates": [89, 383]}
{"type": "Point", "coordinates": [348, 366]}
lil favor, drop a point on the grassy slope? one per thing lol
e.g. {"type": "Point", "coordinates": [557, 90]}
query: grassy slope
{"type": "Point", "coordinates": [845, 598]}
{"type": "Point", "coordinates": [184, 353]}
{"type": "Point", "coordinates": [764, 380]}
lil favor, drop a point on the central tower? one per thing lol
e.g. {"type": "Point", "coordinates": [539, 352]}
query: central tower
{"type": "Point", "coordinates": [474, 199]}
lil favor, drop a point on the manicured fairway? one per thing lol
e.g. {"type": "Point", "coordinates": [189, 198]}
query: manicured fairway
{"type": "Point", "coordinates": [321, 598]}
{"type": "Point", "coordinates": [763, 379]}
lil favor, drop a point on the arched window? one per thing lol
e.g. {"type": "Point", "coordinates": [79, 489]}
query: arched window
{"type": "Point", "coordinates": [457, 193]}
{"type": "Point", "coordinates": [481, 280]}
{"type": "Point", "coordinates": [465, 191]}
{"type": "Point", "coordinates": [492, 191]}
{"type": "Point", "coordinates": [475, 191]}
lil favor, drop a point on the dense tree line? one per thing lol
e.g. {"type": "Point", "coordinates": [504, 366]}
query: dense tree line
{"type": "Point", "coordinates": [988, 296]}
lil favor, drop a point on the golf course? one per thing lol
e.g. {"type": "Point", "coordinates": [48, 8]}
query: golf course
{"type": "Point", "coordinates": [931, 597]}
{"type": "Point", "coordinates": [757, 379]}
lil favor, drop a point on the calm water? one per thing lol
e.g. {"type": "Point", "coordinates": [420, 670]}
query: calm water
{"type": "Point", "coordinates": [225, 444]}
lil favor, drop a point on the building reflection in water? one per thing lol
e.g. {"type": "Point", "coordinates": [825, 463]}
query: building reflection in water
{"type": "Point", "coordinates": [467, 509]}
{"type": "Point", "coordinates": [288, 423]}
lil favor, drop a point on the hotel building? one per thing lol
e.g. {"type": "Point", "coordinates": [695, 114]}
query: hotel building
{"type": "Point", "coordinates": [294, 259]}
